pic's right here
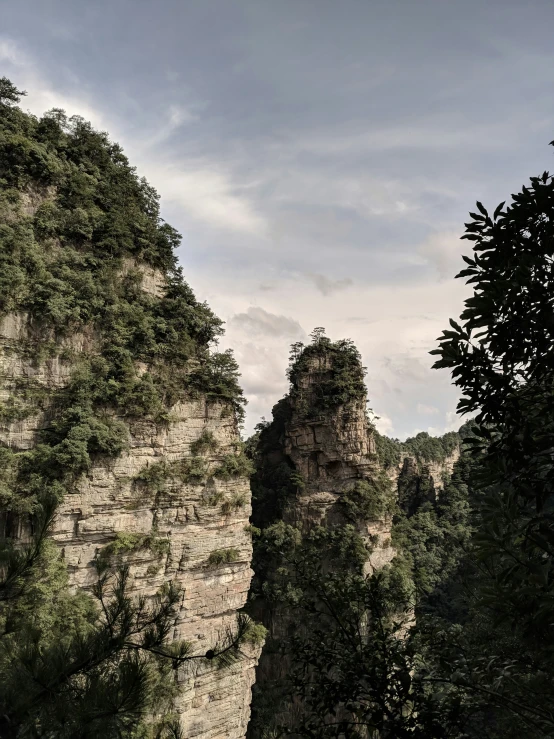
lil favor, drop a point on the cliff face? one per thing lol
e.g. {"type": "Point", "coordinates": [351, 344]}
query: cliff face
{"type": "Point", "coordinates": [316, 467]}
{"type": "Point", "coordinates": [331, 449]}
{"type": "Point", "coordinates": [419, 467]}
{"type": "Point", "coordinates": [112, 404]}
{"type": "Point", "coordinates": [112, 500]}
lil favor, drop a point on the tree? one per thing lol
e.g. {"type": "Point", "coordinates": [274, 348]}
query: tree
{"type": "Point", "coordinates": [352, 670]}
{"type": "Point", "coordinates": [9, 94]}
{"type": "Point", "coordinates": [500, 355]}
{"type": "Point", "coordinates": [73, 664]}
{"type": "Point", "coordinates": [76, 665]}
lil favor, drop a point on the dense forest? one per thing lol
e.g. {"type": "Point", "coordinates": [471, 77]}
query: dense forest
{"type": "Point", "coordinates": [453, 638]}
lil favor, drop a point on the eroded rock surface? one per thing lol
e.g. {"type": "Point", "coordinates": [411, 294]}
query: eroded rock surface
{"type": "Point", "coordinates": [322, 441]}
{"type": "Point", "coordinates": [189, 517]}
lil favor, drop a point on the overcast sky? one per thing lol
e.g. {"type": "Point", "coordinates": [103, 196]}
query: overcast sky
{"type": "Point", "coordinates": [319, 157]}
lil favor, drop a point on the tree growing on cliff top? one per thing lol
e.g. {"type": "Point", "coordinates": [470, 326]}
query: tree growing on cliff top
{"type": "Point", "coordinates": [339, 381]}
{"type": "Point", "coordinates": [9, 94]}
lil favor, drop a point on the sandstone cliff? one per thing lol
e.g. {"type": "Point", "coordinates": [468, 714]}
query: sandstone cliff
{"type": "Point", "coordinates": [112, 500]}
{"type": "Point", "coordinates": [316, 467]}
{"type": "Point", "coordinates": [419, 467]}
{"type": "Point", "coordinates": [331, 449]}
{"type": "Point", "coordinates": [112, 403]}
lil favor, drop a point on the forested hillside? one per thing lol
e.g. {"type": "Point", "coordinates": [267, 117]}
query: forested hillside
{"type": "Point", "coordinates": [123, 486]}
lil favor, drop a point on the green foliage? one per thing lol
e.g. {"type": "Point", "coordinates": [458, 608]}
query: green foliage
{"type": "Point", "coordinates": [343, 643]}
{"type": "Point", "coordinates": [67, 264]}
{"type": "Point", "coordinates": [434, 538]}
{"type": "Point", "coordinates": [155, 476]}
{"type": "Point", "coordinates": [274, 479]}
{"type": "Point", "coordinates": [338, 370]}
{"type": "Point", "coordinates": [80, 673]}
{"type": "Point", "coordinates": [500, 355]}
{"type": "Point", "coordinates": [223, 556]}
{"type": "Point", "coordinates": [125, 543]}
{"type": "Point", "coordinates": [256, 634]}
{"type": "Point", "coordinates": [9, 94]}
{"type": "Point", "coordinates": [234, 503]}
{"type": "Point", "coordinates": [78, 229]}
{"type": "Point", "coordinates": [28, 397]}
{"type": "Point", "coordinates": [218, 377]}
{"type": "Point", "coordinates": [234, 465]}
{"type": "Point", "coordinates": [206, 442]}
{"type": "Point", "coordinates": [389, 451]}
{"type": "Point", "coordinates": [192, 469]}
{"type": "Point", "coordinates": [215, 498]}
{"type": "Point", "coordinates": [368, 500]}
{"type": "Point", "coordinates": [423, 447]}
{"type": "Point", "coordinates": [432, 448]}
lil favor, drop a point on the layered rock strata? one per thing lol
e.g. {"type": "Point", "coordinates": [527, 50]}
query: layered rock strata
{"type": "Point", "coordinates": [331, 450]}
{"type": "Point", "coordinates": [322, 441]}
{"type": "Point", "coordinates": [114, 499]}
{"type": "Point", "coordinates": [421, 481]}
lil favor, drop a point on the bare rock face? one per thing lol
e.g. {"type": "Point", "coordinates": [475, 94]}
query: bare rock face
{"type": "Point", "coordinates": [331, 450]}
{"type": "Point", "coordinates": [421, 481]}
{"type": "Point", "coordinates": [189, 516]}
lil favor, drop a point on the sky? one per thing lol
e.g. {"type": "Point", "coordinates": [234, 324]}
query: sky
{"type": "Point", "coordinates": [318, 157]}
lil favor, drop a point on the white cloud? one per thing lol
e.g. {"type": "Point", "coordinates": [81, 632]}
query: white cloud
{"type": "Point", "coordinates": [443, 250]}
{"type": "Point", "coordinates": [427, 410]}
{"type": "Point", "coordinates": [394, 325]}
{"type": "Point", "coordinates": [361, 192]}
{"type": "Point", "coordinates": [432, 135]}
{"type": "Point", "coordinates": [384, 425]}
{"type": "Point", "coordinates": [260, 322]}
{"type": "Point", "coordinates": [41, 96]}
{"type": "Point", "coordinates": [207, 192]}
{"type": "Point", "coordinates": [10, 52]}
{"type": "Point", "coordinates": [203, 188]}
{"type": "Point", "coordinates": [453, 421]}
{"type": "Point", "coordinates": [176, 117]}
{"type": "Point", "coordinates": [398, 328]}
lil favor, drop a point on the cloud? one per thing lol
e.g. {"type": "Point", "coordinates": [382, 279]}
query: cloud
{"type": "Point", "coordinates": [327, 286]}
{"type": "Point", "coordinates": [453, 421]}
{"type": "Point", "coordinates": [207, 192]}
{"type": "Point", "coordinates": [10, 52]}
{"type": "Point", "coordinates": [426, 135]}
{"type": "Point", "coordinates": [345, 189]}
{"type": "Point", "coordinates": [407, 367]}
{"type": "Point", "coordinates": [384, 425]}
{"type": "Point", "coordinates": [285, 196]}
{"type": "Point", "coordinates": [260, 322]}
{"type": "Point", "coordinates": [427, 410]}
{"type": "Point", "coordinates": [204, 188]}
{"type": "Point", "coordinates": [176, 117]}
{"type": "Point", "coordinates": [41, 96]}
{"type": "Point", "coordinates": [442, 250]}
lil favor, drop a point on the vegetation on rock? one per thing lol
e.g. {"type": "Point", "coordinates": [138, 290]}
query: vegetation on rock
{"type": "Point", "coordinates": [475, 563]}
{"type": "Point", "coordinates": [84, 253]}
{"type": "Point", "coordinates": [223, 556]}
{"type": "Point", "coordinates": [336, 371]}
